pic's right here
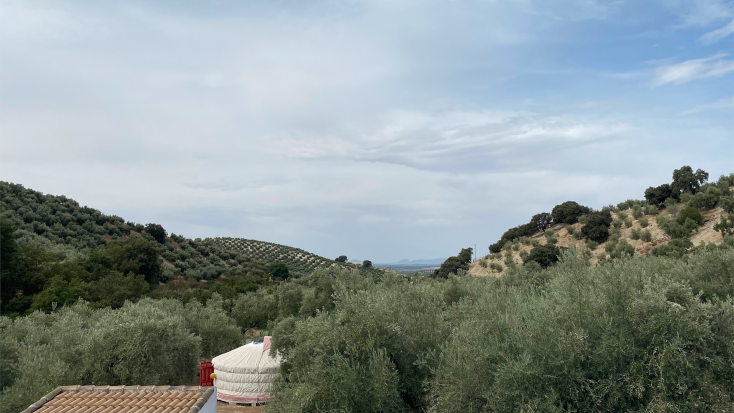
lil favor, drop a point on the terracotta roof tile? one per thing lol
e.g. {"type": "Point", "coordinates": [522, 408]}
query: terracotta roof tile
{"type": "Point", "coordinates": [121, 399]}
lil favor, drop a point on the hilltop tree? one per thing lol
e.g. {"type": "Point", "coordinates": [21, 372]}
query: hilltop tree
{"type": "Point", "coordinates": [685, 180]}
{"type": "Point", "coordinates": [658, 195]}
{"type": "Point", "coordinates": [541, 221]}
{"type": "Point", "coordinates": [157, 232]}
{"type": "Point", "coordinates": [452, 265]}
{"type": "Point", "coordinates": [568, 212]}
{"type": "Point", "coordinates": [367, 264]}
{"type": "Point", "coordinates": [342, 258]}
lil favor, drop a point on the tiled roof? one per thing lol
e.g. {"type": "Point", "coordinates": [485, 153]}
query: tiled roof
{"type": "Point", "coordinates": [123, 399]}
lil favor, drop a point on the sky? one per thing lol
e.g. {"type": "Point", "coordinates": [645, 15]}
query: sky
{"type": "Point", "coordinates": [380, 130]}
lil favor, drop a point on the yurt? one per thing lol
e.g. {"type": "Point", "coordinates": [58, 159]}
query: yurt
{"type": "Point", "coordinates": [246, 374]}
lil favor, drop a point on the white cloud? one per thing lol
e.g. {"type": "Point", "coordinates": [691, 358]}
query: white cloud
{"type": "Point", "coordinates": [689, 70]}
{"type": "Point", "coordinates": [701, 12]}
{"type": "Point", "coordinates": [718, 105]}
{"type": "Point", "coordinates": [459, 141]}
{"type": "Point", "coordinates": [718, 34]}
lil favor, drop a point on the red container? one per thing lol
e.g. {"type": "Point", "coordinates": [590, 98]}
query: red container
{"type": "Point", "coordinates": [207, 368]}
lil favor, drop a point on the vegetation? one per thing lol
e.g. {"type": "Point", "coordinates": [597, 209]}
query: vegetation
{"type": "Point", "coordinates": [553, 334]}
{"type": "Point", "coordinates": [298, 261]}
{"type": "Point", "coordinates": [568, 212]}
{"type": "Point", "coordinates": [597, 226]}
{"type": "Point", "coordinates": [544, 255]}
{"type": "Point", "coordinates": [453, 265]}
{"type": "Point", "coordinates": [651, 334]}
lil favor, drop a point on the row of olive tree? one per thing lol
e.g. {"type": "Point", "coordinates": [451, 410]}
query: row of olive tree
{"type": "Point", "coordinates": [645, 334]}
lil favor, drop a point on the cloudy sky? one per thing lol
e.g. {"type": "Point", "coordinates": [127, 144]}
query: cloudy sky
{"type": "Point", "coordinates": [377, 129]}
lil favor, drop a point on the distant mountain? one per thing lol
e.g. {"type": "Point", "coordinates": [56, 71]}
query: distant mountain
{"type": "Point", "coordinates": [419, 263]}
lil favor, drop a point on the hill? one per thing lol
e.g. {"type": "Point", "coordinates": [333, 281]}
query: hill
{"type": "Point", "coordinates": [637, 228]}
{"type": "Point", "coordinates": [53, 233]}
{"type": "Point", "coordinates": [298, 261]}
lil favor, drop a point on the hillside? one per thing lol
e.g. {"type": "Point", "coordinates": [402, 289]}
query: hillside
{"type": "Point", "coordinates": [299, 262]}
{"type": "Point", "coordinates": [64, 251]}
{"type": "Point", "coordinates": [637, 228]}
{"type": "Point", "coordinates": [705, 233]}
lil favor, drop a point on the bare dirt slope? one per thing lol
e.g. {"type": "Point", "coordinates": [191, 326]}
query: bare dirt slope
{"type": "Point", "coordinates": [706, 233]}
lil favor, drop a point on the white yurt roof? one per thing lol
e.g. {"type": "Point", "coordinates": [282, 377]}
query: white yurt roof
{"type": "Point", "coordinates": [246, 373]}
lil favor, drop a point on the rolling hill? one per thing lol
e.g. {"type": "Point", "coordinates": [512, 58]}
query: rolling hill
{"type": "Point", "coordinates": [298, 261]}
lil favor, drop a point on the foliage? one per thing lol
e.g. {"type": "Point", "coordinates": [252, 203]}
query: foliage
{"type": "Point", "coordinates": [568, 212]}
{"type": "Point", "coordinates": [367, 264]}
{"type": "Point", "coordinates": [452, 265]}
{"type": "Point", "coordinates": [279, 271]}
{"type": "Point", "coordinates": [597, 227]}
{"type": "Point", "coordinates": [626, 335]}
{"type": "Point", "coordinates": [541, 221]}
{"type": "Point", "coordinates": [139, 343]}
{"type": "Point", "coordinates": [690, 213]}
{"type": "Point", "coordinates": [726, 225]}
{"type": "Point", "coordinates": [685, 180]}
{"type": "Point", "coordinates": [544, 255]}
{"type": "Point", "coordinates": [299, 262]}
{"type": "Point", "coordinates": [658, 195]}
{"type": "Point", "coordinates": [157, 232]}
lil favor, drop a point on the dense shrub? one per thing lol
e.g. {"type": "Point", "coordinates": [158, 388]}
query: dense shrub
{"type": "Point", "coordinates": [544, 255]}
{"type": "Point", "coordinates": [690, 213]}
{"type": "Point", "coordinates": [157, 232]}
{"type": "Point", "coordinates": [568, 212]}
{"type": "Point", "coordinates": [452, 265]}
{"type": "Point", "coordinates": [658, 195]}
{"type": "Point", "coordinates": [279, 271]}
{"type": "Point", "coordinates": [597, 228]}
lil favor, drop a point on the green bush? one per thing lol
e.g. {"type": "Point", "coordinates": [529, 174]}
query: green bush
{"type": "Point", "coordinates": [570, 229]}
{"type": "Point", "coordinates": [725, 225]}
{"type": "Point", "coordinates": [676, 248]}
{"type": "Point", "coordinates": [627, 223]}
{"type": "Point", "coordinates": [568, 212]}
{"type": "Point", "coordinates": [622, 249]}
{"type": "Point", "coordinates": [452, 265]}
{"type": "Point", "coordinates": [690, 213]}
{"type": "Point", "coordinates": [637, 212]}
{"type": "Point", "coordinates": [727, 203]}
{"type": "Point", "coordinates": [644, 222]}
{"type": "Point", "coordinates": [646, 236]}
{"type": "Point", "coordinates": [592, 245]}
{"type": "Point", "coordinates": [597, 229]}
{"type": "Point", "coordinates": [658, 195]}
{"type": "Point", "coordinates": [496, 266]}
{"type": "Point", "coordinates": [544, 255]}
{"type": "Point", "coordinates": [635, 234]}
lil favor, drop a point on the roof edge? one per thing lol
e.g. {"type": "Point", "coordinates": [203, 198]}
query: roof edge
{"type": "Point", "coordinates": [194, 409]}
{"type": "Point", "coordinates": [202, 401]}
{"type": "Point", "coordinates": [45, 399]}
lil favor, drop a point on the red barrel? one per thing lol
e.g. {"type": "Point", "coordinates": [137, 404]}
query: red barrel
{"type": "Point", "coordinates": [207, 368]}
